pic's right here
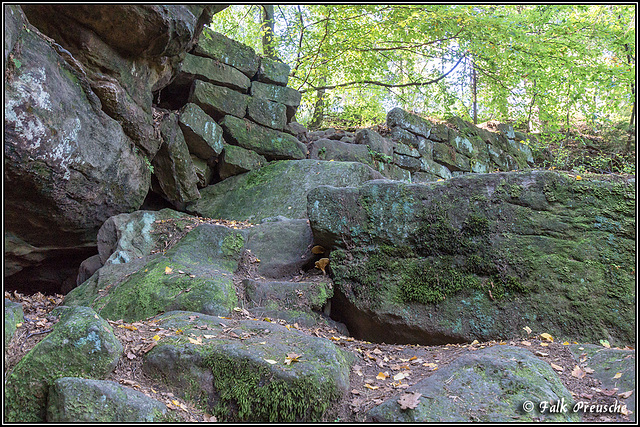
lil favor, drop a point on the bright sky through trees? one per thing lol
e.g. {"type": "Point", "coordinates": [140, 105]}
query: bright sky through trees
{"type": "Point", "coordinates": [541, 65]}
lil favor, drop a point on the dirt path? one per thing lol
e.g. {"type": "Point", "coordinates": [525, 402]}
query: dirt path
{"type": "Point", "coordinates": [380, 370]}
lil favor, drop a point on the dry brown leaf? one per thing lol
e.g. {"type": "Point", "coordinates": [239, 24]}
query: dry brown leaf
{"type": "Point", "coordinates": [577, 372]}
{"type": "Point", "coordinates": [557, 367]}
{"type": "Point", "coordinates": [626, 394]}
{"type": "Point", "coordinates": [589, 370]}
{"type": "Point", "coordinates": [527, 343]}
{"type": "Point", "coordinates": [409, 400]}
{"type": "Point", "coordinates": [547, 337]}
{"type": "Point", "coordinates": [371, 387]}
{"type": "Point", "coordinates": [382, 375]}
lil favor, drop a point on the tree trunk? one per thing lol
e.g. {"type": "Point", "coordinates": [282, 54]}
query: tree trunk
{"type": "Point", "coordinates": [318, 108]}
{"type": "Point", "coordinates": [474, 88]}
{"type": "Point", "coordinates": [268, 29]}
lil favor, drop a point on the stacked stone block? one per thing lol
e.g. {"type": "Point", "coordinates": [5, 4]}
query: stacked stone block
{"type": "Point", "coordinates": [237, 117]}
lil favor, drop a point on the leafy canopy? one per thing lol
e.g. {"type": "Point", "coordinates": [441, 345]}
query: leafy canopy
{"type": "Point", "coordinates": [543, 65]}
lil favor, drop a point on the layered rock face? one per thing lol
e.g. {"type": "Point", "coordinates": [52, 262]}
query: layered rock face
{"type": "Point", "coordinates": [79, 124]}
{"type": "Point", "coordinates": [481, 256]}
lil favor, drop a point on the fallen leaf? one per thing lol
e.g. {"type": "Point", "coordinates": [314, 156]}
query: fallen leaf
{"type": "Point", "coordinates": [475, 342]}
{"type": "Point", "coordinates": [589, 370]}
{"type": "Point", "coordinates": [131, 356]}
{"type": "Point", "coordinates": [322, 264]}
{"type": "Point", "coordinates": [528, 329]}
{"type": "Point", "coordinates": [156, 337]}
{"type": "Point", "coordinates": [626, 394]}
{"type": "Point", "coordinates": [168, 270]}
{"type": "Point", "coordinates": [354, 391]}
{"type": "Point", "coordinates": [409, 400]}
{"type": "Point", "coordinates": [546, 336]}
{"type": "Point", "coordinates": [291, 357]}
{"type": "Point", "coordinates": [618, 375]}
{"type": "Point", "coordinates": [566, 343]}
{"type": "Point", "coordinates": [557, 367]}
{"type": "Point", "coordinates": [605, 343]}
{"type": "Point", "coordinates": [541, 353]}
{"type": "Point", "coordinates": [527, 343]}
{"type": "Point", "coordinates": [383, 375]}
{"type": "Point", "coordinates": [608, 392]}
{"type": "Point", "coordinates": [197, 341]}
{"type": "Point", "coordinates": [400, 376]}
{"type": "Point", "coordinates": [577, 372]}
{"type": "Point", "coordinates": [371, 387]}
{"type": "Point", "coordinates": [210, 418]}
{"type": "Point", "coordinates": [271, 361]}
{"type": "Point", "coordinates": [131, 328]}
{"type": "Point", "coordinates": [544, 344]}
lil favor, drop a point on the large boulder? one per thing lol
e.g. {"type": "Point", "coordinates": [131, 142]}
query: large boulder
{"type": "Point", "coordinates": [68, 166]}
{"type": "Point", "coordinates": [82, 344]}
{"type": "Point", "coordinates": [85, 400]}
{"type": "Point", "coordinates": [195, 274]}
{"type": "Point", "coordinates": [249, 379]}
{"type": "Point", "coordinates": [280, 188]}
{"type": "Point", "coordinates": [481, 256]}
{"type": "Point", "coordinates": [493, 385]}
{"type": "Point", "coordinates": [13, 315]}
{"type": "Point", "coordinates": [126, 51]}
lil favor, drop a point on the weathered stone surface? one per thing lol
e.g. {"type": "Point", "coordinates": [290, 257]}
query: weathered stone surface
{"type": "Point", "coordinates": [295, 302]}
{"type": "Point", "coordinates": [13, 21]}
{"type": "Point", "coordinates": [267, 113]}
{"type": "Point", "coordinates": [607, 363]}
{"type": "Point", "coordinates": [297, 130]}
{"type": "Point", "coordinates": [202, 135]}
{"type": "Point", "coordinates": [272, 144]}
{"type": "Point", "coordinates": [284, 95]}
{"type": "Point", "coordinates": [480, 256]}
{"type": "Point", "coordinates": [203, 171]}
{"type": "Point", "coordinates": [87, 268]}
{"type": "Point", "coordinates": [125, 237]}
{"type": "Point", "coordinates": [82, 344]}
{"type": "Point", "coordinates": [429, 166]}
{"type": "Point", "coordinates": [447, 155]}
{"type": "Point", "coordinates": [134, 30]}
{"type": "Point", "coordinates": [273, 72]}
{"type": "Point", "coordinates": [218, 101]}
{"type": "Point", "coordinates": [408, 121]}
{"type": "Point", "coordinates": [195, 274]}
{"type": "Point", "coordinates": [173, 167]}
{"type": "Point", "coordinates": [123, 75]}
{"type": "Point", "coordinates": [406, 150]}
{"type": "Point", "coordinates": [13, 314]}
{"type": "Point", "coordinates": [280, 188]}
{"type": "Point", "coordinates": [84, 400]}
{"type": "Point", "coordinates": [329, 149]}
{"type": "Point", "coordinates": [214, 45]}
{"type": "Point", "coordinates": [197, 67]}
{"type": "Point", "coordinates": [68, 166]}
{"type": "Point", "coordinates": [375, 142]}
{"type": "Point", "coordinates": [393, 172]}
{"type": "Point", "coordinates": [490, 384]}
{"type": "Point", "coordinates": [233, 377]}
{"type": "Point", "coordinates": [407, 162]}
{"type": "Point", "coordinates": [236, 160]}
{"type": "Point", "coordinates": [283, 247]}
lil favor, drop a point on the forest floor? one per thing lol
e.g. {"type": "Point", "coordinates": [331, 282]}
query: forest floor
{"type": "Point", "coordinates": [380, 371]}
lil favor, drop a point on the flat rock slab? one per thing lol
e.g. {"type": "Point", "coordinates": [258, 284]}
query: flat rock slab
{"type": "Point", "coordinates": [82, 344]}
{"type": "Point", "coordinates": [280, 188]}
{"type": "Point", "coordinates": [217, 46]}
{"type": "Point", "coordinates": [283, 247]}
{"type": "Point", "coordinates": [83, 400]}
{"type": "Point", "coordinates": [239, 369]}
{"type": "Point", "coordinates": [272, 144]}
{"type": "Point", "coordinates": [202, 135]}
{"type": "Point", "coordinates": [491, 385]}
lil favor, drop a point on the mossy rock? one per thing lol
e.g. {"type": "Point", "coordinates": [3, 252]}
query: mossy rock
{"type": "Point", "coordinates": [483, 255]}
{"type": "Point", "coordinates": [85, 400]}
{"type": "Point", "coordinates": [195, 274]}
{"type": "Point", "coordinates": [13, 315]}
{"type": "Point", "coordinates": [81, 344]}
{"type": "Point", "coordinates": [280, 188]}
{"type": "Point", "coordinates": [489, 385]}
{"type": "Point", "coordinates": [238, 372]}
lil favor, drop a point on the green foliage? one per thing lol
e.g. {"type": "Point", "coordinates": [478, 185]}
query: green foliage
{"type": "Point", "coordinates": [540, 65]}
